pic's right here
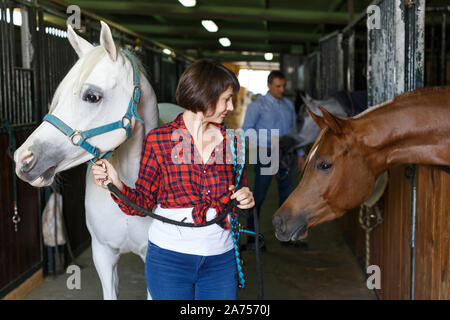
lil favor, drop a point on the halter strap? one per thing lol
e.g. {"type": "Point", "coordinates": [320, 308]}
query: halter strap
{"type": "Point", "coordinates": [78, 137]}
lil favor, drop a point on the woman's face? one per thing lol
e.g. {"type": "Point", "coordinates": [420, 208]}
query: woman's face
{"type": "Point", "coordinates": [224, 104]}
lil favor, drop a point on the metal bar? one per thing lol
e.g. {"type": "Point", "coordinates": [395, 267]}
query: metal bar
{"type": "Point", "coordinates": [3, 99]}
{"type": "Point", "coordinates": [351, 11]}
{"type": "Point", "coordinates": [414, 78]}
{"type": "Point", "coordinates": [9, 65]}
{"type": "Point", "coordinates": [443, 47]}
{"type": "Point", "coordinates": [430, 69]}
{"type": "Point", "coordinates": [437, 9]}
{"type": "Point", "coordinates": [413, 230]}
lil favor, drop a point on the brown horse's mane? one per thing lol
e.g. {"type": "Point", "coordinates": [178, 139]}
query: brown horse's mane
{"type": "Point", "coordinates": [419, 92]}
{"type": "Point", "coordinates": [398, 99]}
{"type": "Point", "coordinates": [405, 97]}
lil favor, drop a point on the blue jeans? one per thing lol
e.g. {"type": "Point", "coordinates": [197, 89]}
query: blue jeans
{"type": "Point", "coordinates": [285, 181]}
{"type": "Point", "coordinates": [173, 275]}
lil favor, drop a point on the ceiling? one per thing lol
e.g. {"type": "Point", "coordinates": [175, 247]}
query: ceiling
{"type": "Point", "coordinates": [253, 26]}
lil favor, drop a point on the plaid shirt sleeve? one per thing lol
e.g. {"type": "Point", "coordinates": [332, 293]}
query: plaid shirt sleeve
{"type": "Point", "coordinates": [147, 185]}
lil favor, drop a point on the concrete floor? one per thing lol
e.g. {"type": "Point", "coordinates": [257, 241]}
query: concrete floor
{"type": "Point", "coordinates": [327, 269]}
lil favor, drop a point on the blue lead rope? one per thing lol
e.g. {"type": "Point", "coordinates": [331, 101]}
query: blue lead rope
{"type": "Point", "coordinates": [237, 146]}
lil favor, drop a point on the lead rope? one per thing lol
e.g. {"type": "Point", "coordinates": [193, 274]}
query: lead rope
{"type": "Point", "coordinates": [238, 152]}
{"type": "Point", "coordinates": [366, 215]}
{"type": "Point", "coordinates": [10, 152]}
{"type": "Point", "coordinates": [238, 164]}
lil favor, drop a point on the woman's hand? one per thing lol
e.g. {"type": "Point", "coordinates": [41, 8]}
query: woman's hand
{"type": "Point", "coordinates": [244, 196]}
{"type": "Point", "coordinates": [105, 173]}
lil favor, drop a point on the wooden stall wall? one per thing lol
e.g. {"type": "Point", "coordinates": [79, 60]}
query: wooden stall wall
{"type": "Point", "coordinates": [391, 240]}
{"type": "Point", "coordinates": [432, 237]}
{"type": "Point", "coordinates": [20, 252]}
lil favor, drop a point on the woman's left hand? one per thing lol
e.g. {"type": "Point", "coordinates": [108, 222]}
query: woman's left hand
{"type": "Point", "coordinates": [244, 196]}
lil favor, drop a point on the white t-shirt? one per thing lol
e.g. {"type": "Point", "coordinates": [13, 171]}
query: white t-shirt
{"type": "Point", "coordinates": [203, 241]}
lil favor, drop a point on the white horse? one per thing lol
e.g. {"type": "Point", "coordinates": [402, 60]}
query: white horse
{"type": "Point", "coordinates": [95, 92]}
{"type": "Point", "coordinates": [306, 130]}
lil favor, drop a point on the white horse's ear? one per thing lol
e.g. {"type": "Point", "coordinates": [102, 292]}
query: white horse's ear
{"type": "Point", "coordinates": [107, 41]}
{"type": "Point", "coordinates": [308, 97]}
{"type": "Point", "coordinates": [80, 45]}
{"type": "Point", "coordinates": [306, 101]}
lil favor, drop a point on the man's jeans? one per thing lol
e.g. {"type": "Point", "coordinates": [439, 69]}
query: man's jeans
{"type": "Point", "coordinates": [285, 181]}
{"type": "Point", "coordinates": [172, 275]}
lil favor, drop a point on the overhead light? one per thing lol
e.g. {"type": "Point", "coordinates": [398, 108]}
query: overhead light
{"type": "Point", "coordinates": [167, 51]}
{"type": "Point", "coordinates": [225, 42]}
{"type": "Point", "coordinates": [268, 56]}
{"type": "Point", "coordinates": [188, 3]}
{"type": "Point", "coordinates": [17, 16]}
{"type": "Point", "coordinates": [210, 25]}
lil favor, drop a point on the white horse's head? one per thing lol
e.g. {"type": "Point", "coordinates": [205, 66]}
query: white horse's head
{"type": "Point", "coordinates": [95, 92]}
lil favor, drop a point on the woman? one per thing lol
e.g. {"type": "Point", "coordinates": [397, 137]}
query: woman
{"type": "Point", "coordinates": [184, 173]}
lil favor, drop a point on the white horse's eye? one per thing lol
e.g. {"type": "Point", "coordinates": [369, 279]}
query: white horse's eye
{"type": "Point", "coordinates": [91, 97]}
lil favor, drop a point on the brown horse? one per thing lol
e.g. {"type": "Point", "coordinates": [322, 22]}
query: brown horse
{"type": "Point", "coordinates": [350, 153]}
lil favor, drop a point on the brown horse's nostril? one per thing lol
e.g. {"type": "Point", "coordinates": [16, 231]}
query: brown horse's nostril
{"type": "Point", "coordinates": [27, 163]}
{"type": "Point", "coordinates": [278, 223]}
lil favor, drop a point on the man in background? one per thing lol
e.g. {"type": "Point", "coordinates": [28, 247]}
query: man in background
{"type": "Point", "coordinates": [272, 111]}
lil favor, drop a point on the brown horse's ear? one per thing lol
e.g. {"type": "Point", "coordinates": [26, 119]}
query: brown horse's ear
{"type": "Point", "coordinates": [331, 121]}
{"type": "Point", "coordinates": [317, 119]}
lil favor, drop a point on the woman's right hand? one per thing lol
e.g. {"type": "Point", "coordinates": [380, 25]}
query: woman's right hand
{"type": "Point", "coordinates": [105, 173]}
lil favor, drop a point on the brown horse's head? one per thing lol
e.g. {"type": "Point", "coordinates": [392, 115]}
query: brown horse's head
{"type": "Point", "coordinates": [337, 177]}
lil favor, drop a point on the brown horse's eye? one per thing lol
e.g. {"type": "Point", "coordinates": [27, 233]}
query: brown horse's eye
{"type": "Point", "coordinates": [323, 166]}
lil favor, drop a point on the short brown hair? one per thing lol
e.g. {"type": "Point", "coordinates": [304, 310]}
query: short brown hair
{"type": "Point", "coordinates": [202, 83]}
{"type": "Point", "coordinates": [275, 74]}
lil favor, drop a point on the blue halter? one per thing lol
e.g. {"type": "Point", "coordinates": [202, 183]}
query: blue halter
{"type": "Point", "coordinates": [79, 138]}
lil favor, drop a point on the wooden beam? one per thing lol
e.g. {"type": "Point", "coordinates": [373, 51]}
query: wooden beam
{"type": "Point", "coordinates": [237, 56]}
{"type": "Point", "coordinates": [199, 32]}
{"type": "Point", "coordinates": [180, 43]}
{"type": "Point", "coordinates": [211, 12]}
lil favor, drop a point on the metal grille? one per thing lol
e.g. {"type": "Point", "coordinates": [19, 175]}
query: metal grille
{"type": "Point", "coordinates": [331, 64]}
{"type": "Point", "coordinates": [56, 59]}
{"type": "Point", "coordinates": [290, 67]}
{"type": "Point", "coordinates": [168, 87]}
{"type": "Point", "coordinates": [16, 82]}
{"type": "Point", "coordinates": [437, 46]}
{"type": "Point", "coordinates": [312, 75]}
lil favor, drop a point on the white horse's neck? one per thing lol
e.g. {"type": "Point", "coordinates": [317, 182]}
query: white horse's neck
{"type": "Point", "coordinates": [127, 156]}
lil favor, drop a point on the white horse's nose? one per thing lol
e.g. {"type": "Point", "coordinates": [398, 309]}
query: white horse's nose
{"type": "Point", "coordinates": [26, 161]}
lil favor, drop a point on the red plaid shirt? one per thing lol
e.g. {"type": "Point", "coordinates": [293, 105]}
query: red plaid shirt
{"type": "Point", "coordinates": [167, 177]}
